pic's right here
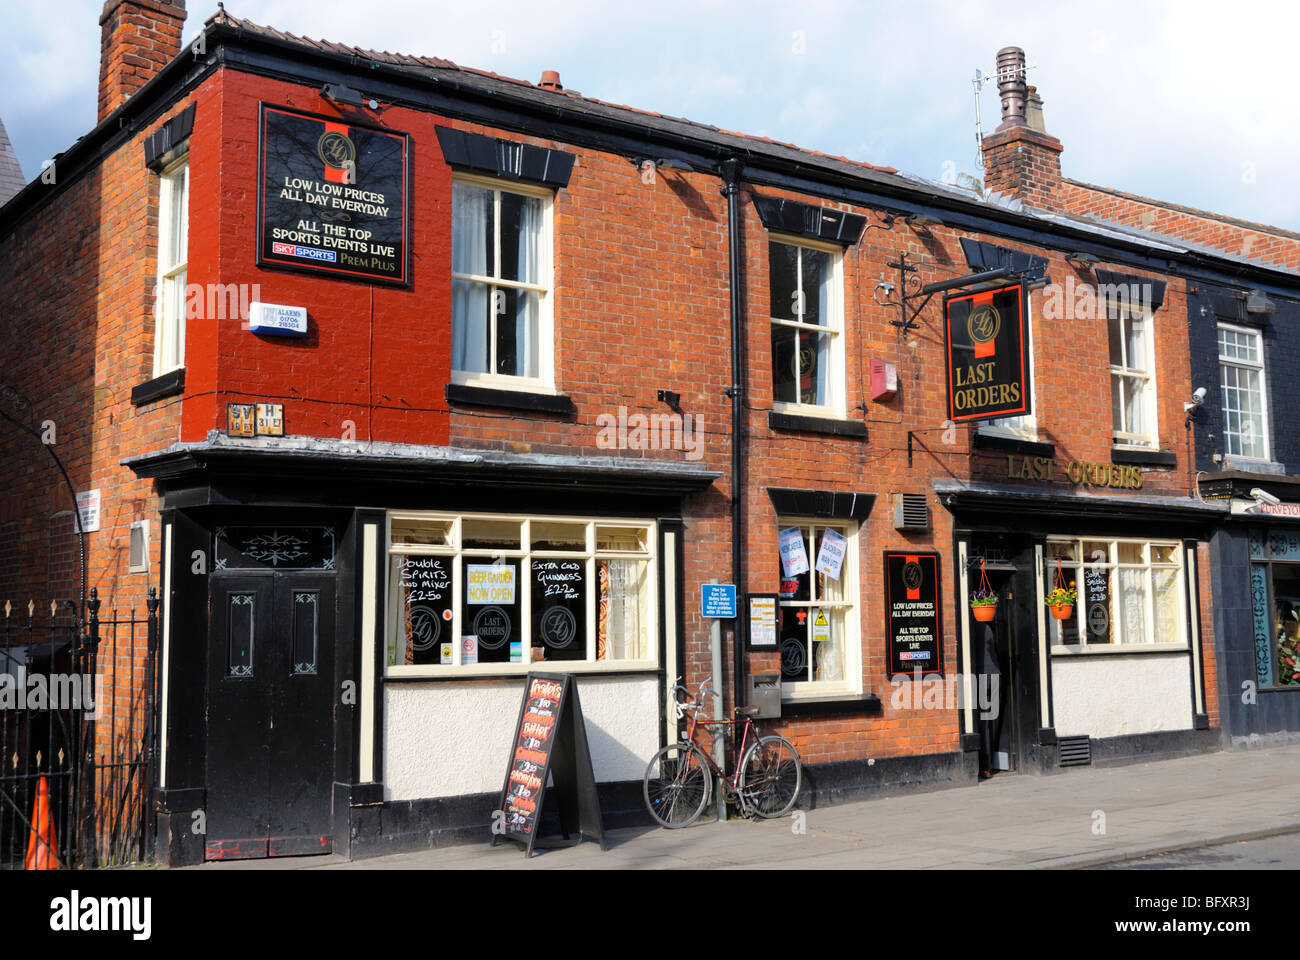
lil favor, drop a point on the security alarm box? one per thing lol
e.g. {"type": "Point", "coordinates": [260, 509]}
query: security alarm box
{"type": "Point", "coordinates": [884, 380]}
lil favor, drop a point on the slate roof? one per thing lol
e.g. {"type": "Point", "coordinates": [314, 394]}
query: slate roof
{"type": "Point", "coordinates": [11, 174]}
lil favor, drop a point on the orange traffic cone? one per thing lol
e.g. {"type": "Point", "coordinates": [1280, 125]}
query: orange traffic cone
{"type": "Point", "coordinates": [41, 845]}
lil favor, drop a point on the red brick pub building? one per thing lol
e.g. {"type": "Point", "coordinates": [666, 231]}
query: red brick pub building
{"type": "Point", "coordinates": [414, 379]}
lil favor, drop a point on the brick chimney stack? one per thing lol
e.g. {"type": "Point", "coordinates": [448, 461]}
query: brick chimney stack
{"type": "Point", "coordinates": [137, 39]}
{"type": "Point", "coordinates": [1021, 159]}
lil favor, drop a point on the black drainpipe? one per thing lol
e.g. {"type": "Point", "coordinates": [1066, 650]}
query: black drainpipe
{"type": "Point", "coordinates": [731, 190]}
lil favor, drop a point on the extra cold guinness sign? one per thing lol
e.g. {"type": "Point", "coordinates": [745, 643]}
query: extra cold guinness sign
{"type": "Point", "coordinates": [333, 197]}
{"type": "Point", "coordinates": [987, 347]}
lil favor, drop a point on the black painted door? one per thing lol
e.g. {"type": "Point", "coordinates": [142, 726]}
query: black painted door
{"type": "Point", "coordinates": [270, 715]}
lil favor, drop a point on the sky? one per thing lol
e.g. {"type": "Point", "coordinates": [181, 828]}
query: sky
{"type": "Point", "coordinates": [1188, 101]}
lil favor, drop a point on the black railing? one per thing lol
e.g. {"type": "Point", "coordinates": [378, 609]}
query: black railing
{"type": "Point", "coordinates": [77, 727]}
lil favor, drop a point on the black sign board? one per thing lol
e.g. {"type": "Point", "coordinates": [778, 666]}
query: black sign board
{"type": "Point", "coordinates": [332, 197]}
{"type": "Point", "coordinates": [987, 344]}
{"type": "Point", "coordinates": [560, 608]}
{"type": "Point", "coordinates": [425, 588]}
{"type": "Point", "coordinates": [913, 613]}
{"type": "Point", "coordinates": [550, 738]}
{"type": "Point", "coordinates": [1096, 593]}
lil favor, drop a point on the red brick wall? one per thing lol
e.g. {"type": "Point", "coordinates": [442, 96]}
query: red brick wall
{"type": "Point", "coordinates": [78, 301]}
{"type": "Point", "coordinates": [375, 361]}
{"type": "Point", "coordinates": [1253, 241]}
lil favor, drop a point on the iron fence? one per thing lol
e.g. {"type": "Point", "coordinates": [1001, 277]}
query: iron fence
{"type": "Point", "coordinates": [78, 701]}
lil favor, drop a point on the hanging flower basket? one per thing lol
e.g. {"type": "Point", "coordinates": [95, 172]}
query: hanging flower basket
{"type": "Point", "coordinates": [984, 601]}
{"type": "Point", "coordinates": [1061, 600]}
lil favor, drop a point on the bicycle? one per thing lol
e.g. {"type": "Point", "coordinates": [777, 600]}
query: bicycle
{"type": "Point", "coordinates": [678, 780]}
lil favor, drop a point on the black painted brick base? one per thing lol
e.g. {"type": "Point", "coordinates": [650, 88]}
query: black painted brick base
{"type": "Point", "coordinates": [1146, 747]}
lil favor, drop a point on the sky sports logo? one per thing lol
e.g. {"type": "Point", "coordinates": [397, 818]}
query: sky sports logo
{"type": "Point", "coordinates": [78, 914]}
{"type": "Point", "coordinates": [307, 253]}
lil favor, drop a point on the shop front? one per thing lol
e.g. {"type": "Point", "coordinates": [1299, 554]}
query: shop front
{"type": "Point", "coordinates": [1256, 562]}
{"type": "Point", "coordinates": [1119, 672]}
{"type": "Point", "coordinates": [342, 661]}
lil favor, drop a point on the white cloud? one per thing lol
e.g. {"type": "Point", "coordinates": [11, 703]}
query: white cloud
{"type": "Point", "coordinates": [1168, 99]}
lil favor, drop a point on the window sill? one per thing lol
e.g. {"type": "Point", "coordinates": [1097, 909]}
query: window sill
{"type": "Point", "coordinates": [1119, 649]}
{"type": "Point", "coordinates": [481, 671]}
{"type": "Point", "coordinates": [859, 703]}
{"type": "Point", "coordinates": [1250, 465]}
{"type": "Point", "coordinates": [1007, 444]}
{"type": "Point", "coordinates": [824, 425]}
{"type": "Point", "coordinates": [459, 393]}
{"type": "Point", "coordinates": [1143, 456]}
{"type": "Point", "coordinates": [167, 385]}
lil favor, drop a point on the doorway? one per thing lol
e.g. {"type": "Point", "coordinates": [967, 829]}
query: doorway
{"type": "Point", "coordinates": [270, 729]}
{"type": "Point", "coordinates": [995, 669]}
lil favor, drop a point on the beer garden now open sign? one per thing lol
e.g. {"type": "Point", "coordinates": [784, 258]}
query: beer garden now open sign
{"type": "Point", "coordinates": [987, 347]}
{"type": "Point", "coordinates": [332, 197]}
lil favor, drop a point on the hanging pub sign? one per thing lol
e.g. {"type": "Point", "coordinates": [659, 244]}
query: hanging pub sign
{"type": "Point", "coordinates": [332, 197]}
{"type": "Point", "coordinates": [987, 347]}
{"type": "Point", "coordinates": [913, 616]}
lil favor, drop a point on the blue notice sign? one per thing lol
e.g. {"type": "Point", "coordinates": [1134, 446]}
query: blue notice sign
{"type": "Point", "coordinates": [718, 600]}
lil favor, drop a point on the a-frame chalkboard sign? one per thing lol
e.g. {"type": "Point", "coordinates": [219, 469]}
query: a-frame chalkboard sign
{"type": "Point", "coordinates": [550, 737]}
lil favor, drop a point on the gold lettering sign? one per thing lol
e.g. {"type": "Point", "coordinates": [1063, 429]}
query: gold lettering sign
{"type": "Point", "coordinates": [1078, 472]}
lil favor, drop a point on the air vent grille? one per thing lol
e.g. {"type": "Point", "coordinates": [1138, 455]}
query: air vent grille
{"type": "Point", "coordinates": [1076, 751]}
{"type": "Point", "coordinates": [911, 511]}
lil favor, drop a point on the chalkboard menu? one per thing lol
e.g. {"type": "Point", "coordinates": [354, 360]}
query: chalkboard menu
{"type": "Point", "coordinates": [1096, 594]}
{"type": "Point", "coordinates": [550, 739]}
{"type": "Point", "coordinates": [560, 608]}
{"type": "Point", "coordinates": [424, 585]}
{"type": "Point", "coordinates": [913, 616]}
{"type": "Point", "coordinates": [332, 197]}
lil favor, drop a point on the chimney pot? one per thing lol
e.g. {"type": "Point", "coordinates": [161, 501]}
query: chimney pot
{"type": "Point", "coordinates": [551, 80]}
{"type": "Point", "coordinates": [1011, 86]}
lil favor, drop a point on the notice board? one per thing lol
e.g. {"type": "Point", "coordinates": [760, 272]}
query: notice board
{"type": "Point", "coordinates": [913, 613]}
{"type": "Point", "coordinates": [550, 739]}
{"type": "Point", "coordinates": [332, 197]}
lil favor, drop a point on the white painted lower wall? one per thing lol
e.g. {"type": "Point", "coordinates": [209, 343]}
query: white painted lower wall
{"type": "Point", "coordinates": [449, 739]}
{"type": "Point", "coordinates": [1112, 696]}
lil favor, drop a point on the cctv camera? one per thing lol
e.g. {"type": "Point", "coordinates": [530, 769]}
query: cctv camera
{"type": "Point", "coordinates": [1198, 395]}
{"type": "Point", "coordinates": [1263, 496]}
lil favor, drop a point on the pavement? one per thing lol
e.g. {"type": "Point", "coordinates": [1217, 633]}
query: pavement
{"type": "Point", "coordinates": [1072, 819]}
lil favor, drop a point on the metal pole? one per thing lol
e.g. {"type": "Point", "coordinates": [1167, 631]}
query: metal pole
{"type": "Point", "coordinates": [719, 746]}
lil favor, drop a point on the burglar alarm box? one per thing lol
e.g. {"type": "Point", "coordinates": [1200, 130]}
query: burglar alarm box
{"type": "Point", "coordinates": [884, 380]}
{"type": "Point", "coordinates": [765, 693]}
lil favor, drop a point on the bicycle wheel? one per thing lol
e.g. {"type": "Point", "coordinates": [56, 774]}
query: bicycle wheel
{"type": "Point", "coordinates": [677, 785]}
{"type": "Point", "coordinates": [771, 775]}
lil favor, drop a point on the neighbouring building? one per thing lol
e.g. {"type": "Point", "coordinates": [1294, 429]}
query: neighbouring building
{"type": "Point", "coordinates": [399, 379]}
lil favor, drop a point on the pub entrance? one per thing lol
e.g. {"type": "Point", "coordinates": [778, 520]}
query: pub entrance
{"type": "Point", "coordinates": [270, 734]}
{"type": "Point", "coordinates": [1002, 652]}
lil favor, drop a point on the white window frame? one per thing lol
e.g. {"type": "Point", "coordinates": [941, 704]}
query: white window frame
{"type": "Point", "coordinates": [834, 408]}
{"type": "Point", "coordinates": [1114, 565]}
{"type": "Point", "coordinates": [1024, 427]}
{"type": "Point", "coordinates": [1119, 314]}
{"type": "Point", "coordinates": [1258, 336]}
{"type": "Point", "coordinates": [852, 605]}
{"type": "Point", "coordinates": [545, 381]}
{"type": "Point", "coordinates": [169, 322]}
{"type": "Point", "coordinates": [454, 550]}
